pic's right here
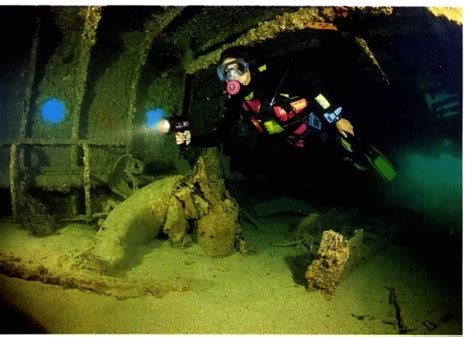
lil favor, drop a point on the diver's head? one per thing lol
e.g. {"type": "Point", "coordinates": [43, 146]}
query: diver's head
{"type": "Point", "coordinates": [235, 68]}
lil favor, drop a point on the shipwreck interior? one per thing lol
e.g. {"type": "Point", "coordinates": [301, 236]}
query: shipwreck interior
{"type": "Point", "coordinates": [83, 88]}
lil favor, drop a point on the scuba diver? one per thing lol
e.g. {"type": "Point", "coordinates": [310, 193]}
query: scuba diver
{"type": "Point", "coordinates": [291, 112]}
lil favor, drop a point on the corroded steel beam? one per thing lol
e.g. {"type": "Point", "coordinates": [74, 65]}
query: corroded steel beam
{"type": "Point", "coordinates": [366, 50]}
{"type": "Point", "coordinates": [14, 266]}
{"type": "Point", "coordinates": [62, 142]}
{"type": "Point", "coordinates": [14, 180]}
{"type": "Point", "coordinates": [92, 16]}
{"type": "Point", "coordinates": [454, 14]}
{"type": "Point", "coordinates": [29, 86]}
{"type": "Point", "coordinates": [153, 27]}
{"type": "Point", "coordinates": [87, 180]}
{"type": "Point", "coordinates": [286, 22]}
{"type": "Point", "coordinates": [307, 17]}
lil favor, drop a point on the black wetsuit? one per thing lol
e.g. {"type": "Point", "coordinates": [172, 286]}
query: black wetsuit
{"type": "Point", "coordinates": [235, 108]}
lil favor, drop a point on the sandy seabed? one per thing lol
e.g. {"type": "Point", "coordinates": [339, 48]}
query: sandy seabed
{"type": "Point", "coordinates": [261, 293]}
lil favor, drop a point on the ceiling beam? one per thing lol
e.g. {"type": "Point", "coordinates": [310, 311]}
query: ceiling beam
{"type": "Point", "coordinates": [306, 17]}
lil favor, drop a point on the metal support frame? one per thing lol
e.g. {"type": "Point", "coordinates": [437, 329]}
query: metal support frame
{"type": "Point", "coordinates": [152, 28]}
{"type": "Point", "coordinates": [87, 181]}
{"type": "Point", "coordinates": [15, 167]}
{"type": "Point", "coordinates": [92, 16]}
{"type": "Point", "coordinates": [14, 179]}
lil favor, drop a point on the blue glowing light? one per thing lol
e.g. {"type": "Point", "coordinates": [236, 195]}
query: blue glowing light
{"type": "Point", "coordinates": [154, 117]}
{"type": "Point", "coordinates": [53, 111]}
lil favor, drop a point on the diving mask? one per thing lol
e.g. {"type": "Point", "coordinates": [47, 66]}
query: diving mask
{"type": "Point", "coordinates": [232, 70]}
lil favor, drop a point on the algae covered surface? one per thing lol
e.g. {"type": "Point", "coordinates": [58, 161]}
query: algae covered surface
{"type": "Point", "coordinates": [192, 258]}
{"type": "Point", "coordinates": [261, 292]}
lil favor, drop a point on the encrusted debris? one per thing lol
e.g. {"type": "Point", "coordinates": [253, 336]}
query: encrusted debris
{"type": "Point", "coordinates": [327, 268]}
{"type": "Point", "coordinates": [171, 206]}
{"type": "Point", "coordinates": [135, 221]}
{"type": "Point", "coordinates": [393, 300]}
{"type": "Point", "coordinates": [310, 228]}
{"type": "Point", "coordinates": [13, 266]}
{"type": "Point", "coordinates": [218, 230]}
{"type": "Point", "coordinates": [305, 17]}
{"type": "Point", "coordinates": [454, 14]}
{"type": "Point", "coordinates": [335, 258]}
{"type": "Point", "coordinates": [287, 22]}
{"type": "Point", "coordinates": [123, 175]}
{"type": "Point", "coordinates": [282, 205]}
{"type": "Point", "coordinates": [365, 48]}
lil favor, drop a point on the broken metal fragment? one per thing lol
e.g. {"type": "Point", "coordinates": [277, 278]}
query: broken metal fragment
{"type": "Point", "coordinates": [335, 258]}
{"type": "Point", "coordinates": [322, 26]}
{"type": "Point", "coordinates": [218, 232]}
{"type": "Point", "coordinates": [326, 270]}
{"type": "Point", "coordinates": [166, 206]}
{"type": "Point", "coordinates": [135, 221]}
{"type": "Point", "coordinates": [366, 50]}
{"type": "Point", "coordinates": [13, 266]}
{"type": "Point", "coordinates": [393, 300]}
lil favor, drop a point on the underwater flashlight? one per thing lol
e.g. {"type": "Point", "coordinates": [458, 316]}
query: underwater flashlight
{"type": "Point", "coordinates": [174, 124]}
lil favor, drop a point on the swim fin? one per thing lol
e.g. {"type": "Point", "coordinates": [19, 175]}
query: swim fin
{"type": "Point", "coordinates": [380, 163]}
{"type": "Point", "coordinates": [374, 157]}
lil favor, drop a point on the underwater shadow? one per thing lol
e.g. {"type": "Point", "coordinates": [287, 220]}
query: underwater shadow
{"type": "Point", "coordinates": [298, 265]}
{"type": "Point", "coordinates": [136, 256]}
{"type": "Point", "coordinates": [133, 260]}
{"type": "Point", "coordinates": [14, 321]}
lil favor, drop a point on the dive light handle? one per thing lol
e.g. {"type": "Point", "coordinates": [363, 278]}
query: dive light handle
{"type": "Point", "coordinates": [175, 124]}
{"type": "Point", "coordinates": [179, 124]}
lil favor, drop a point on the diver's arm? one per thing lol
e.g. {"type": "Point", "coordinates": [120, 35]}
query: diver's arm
{"type": "Point", "coordinates": [332, 112]}
{"type": "Point", "coordinates": [210, 139]}
{"type": "Point", "coordinates": [334, 117]}
{"type": "Point", "coordinates": [216, 136]}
